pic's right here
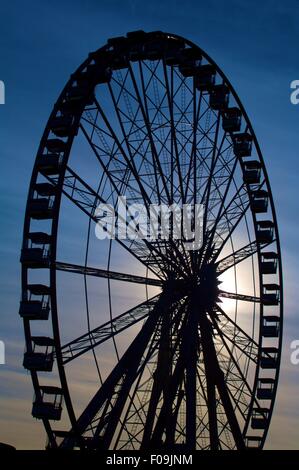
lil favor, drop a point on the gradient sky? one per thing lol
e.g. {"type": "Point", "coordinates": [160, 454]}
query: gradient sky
{"type": "Point", "coordinates": [41, 44]}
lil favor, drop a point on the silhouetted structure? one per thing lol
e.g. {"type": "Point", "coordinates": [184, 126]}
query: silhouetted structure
{"type": "Point", "coordinates": [165, 126]}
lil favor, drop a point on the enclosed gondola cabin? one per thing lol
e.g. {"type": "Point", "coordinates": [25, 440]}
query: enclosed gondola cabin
{"type": "Point", "coordinates": [265, 231]}
{"type": "Point", "coordinates": [49, 404]}
{"type": "Point", "coordinates": [242, 144]}
{"type": "Point", "coordinates": [269, 358]}
{"type": "Point", "coordinates": [269, 262]}
{"type": "Point", "coordinates": [265, 389]}
{"type": "Point", "coordinates": [252, 172]}
{"type": "Point", "coordinates": [40, 357]}
{"type": "Point", "coordinates": [231, 119]}
{"type": "Point", "coordinates": [271, 326]}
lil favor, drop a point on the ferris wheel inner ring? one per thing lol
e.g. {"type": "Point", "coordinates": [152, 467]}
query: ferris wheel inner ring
{"type": "Point", "coordinates": [52, 179]}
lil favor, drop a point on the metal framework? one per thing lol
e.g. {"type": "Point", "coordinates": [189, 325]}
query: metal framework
{"type": "Point", "coordinates": [152, 117]}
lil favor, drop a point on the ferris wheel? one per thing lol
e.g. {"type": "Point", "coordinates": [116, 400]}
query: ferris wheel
{"type": "Point", "coordinates": [190, 359]}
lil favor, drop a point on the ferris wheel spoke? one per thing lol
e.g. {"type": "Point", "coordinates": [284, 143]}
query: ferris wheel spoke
{"type": "Point", "coordinates": [153, 348]}
{"type": "Point", "coordinates": [215, 379]}
{"type": "Point", "coordinates": [229, 219]}
{"type": "Point", "coordinates": [193, 162]}
{"type": "Point", "coordinates": [134, 131]}
{"type": "Point", "coordinates": [136, 410]}
{"type": "Point", "coordinates": [186, 350]}
{"type": "Point", "coordinates": [163, 380]}
{"type": "Point", "coordinates": [242, 297]}
{"type": "Point", "coordinates": [120, 183]}
{"type": "Point", "coordinates": [222, 425]}
{"type": "Point", "coordinates": [105, 422]}
{"type": "Point", "coordinates": [219, 185]}
{"type": "Point", "coordinates": [114, 169]}
{"type": "Point", "coordinates": [97, 138]}
{"type": "Point", "coordinates": [145, 163]}
{"type": "Point", "coordinates": [206, 196]}
{"type": "Point", "coordinates": [117, 182]}
{"type": "Point", "coordinates": [217, 178]}
{"type": "Point", "coordinates": [87, 199]}
{"type": "Point", "coordinates": [174, 143]}
{"type": "Point", "coordinates": [158, 114]}
{"type": "Point", "coordinates": [238, 336]}
{"type": "Point", "coordinates": [107, 274]}
{"type": "Point", "coordinates": [119, 178]}
{"type": "Point", "coordinates": [135, 413]}
{"type": "Point", "coordinates": [245, 345]}
{"type": "Point", "coordinates": [126, 137]}
{"type": "Point", "coordinates": [129, 160]}
{"type": "Point", "coordinates": [221, 206]}
{"type": "Point", "coordinates": [210, 394]}
{"type": "Point", "coordinates": [182, 123]}
{"type": "Point", "coordinates": [235, 382]}
{"type": "Point", "coordinates": [160, 373]}
{"type": "Point", "coordinates": [231, 171]}
{"type": "Point", "coordinates": [158, 171]}
{"type": "Point", "coordinates": [239, 375]}
{"type": "Point", "coordinates": [214, 153]}
{"type": "Point", "coordinates": [237, 257]}
{"type": "Point", "coordinates": [134, 172]}
{"type": "Point", "coordinates": [127, 366]}
{"type": "Point", "coordinates": [108, 330]}
{"type": "Point", "coordinates": [203, 427]}
{"type": "Point", "coordinates": [108, 425]}
{"type": "Point", "coordinates": [170, 384]}
{"type": "Point", "coordinates": [231, 344]}
{"type": "Point", "coordinates": [216, 175]}
{"type": "Point", "coordinates": [239, 395]}
{"type": "Point", "coordinates": [145, 114]}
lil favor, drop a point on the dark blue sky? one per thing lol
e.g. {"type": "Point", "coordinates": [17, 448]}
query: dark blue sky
{"type": "Point", "coordinates": [41, 43]}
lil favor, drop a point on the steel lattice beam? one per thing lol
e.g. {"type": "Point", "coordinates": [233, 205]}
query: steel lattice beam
{"type": "Point", "coordinates": [93, 338]}
{"type": "Point", "coordinates": [104, 273]}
